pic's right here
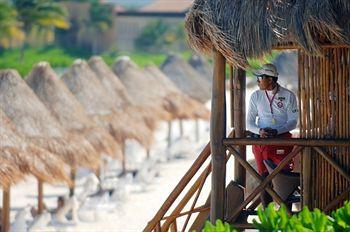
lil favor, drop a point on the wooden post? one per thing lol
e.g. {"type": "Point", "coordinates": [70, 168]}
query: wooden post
{"type": "Point", "coordinates": [306, 181]}
{"type": "Point", "coordinates": [40, 196]}
{"type": "Point", "coordinates": [169, 134]}
{"type": "Point", "coordinates": [123, 158]}
{"type": "Point", "coordinates": [72, 177]}
{"type": "Point", "coordinates": [197, 129]}
{"type": "Point", "coordinates": [181, 128]}
{"type": "Point", "coordinates": [5, 223]}
{"type": "Point", "coordinates": [239, 81]}
{"type": "Point", "coordinates": [148, 153]}
{"type": "Point", "coordinates": [217, 134]}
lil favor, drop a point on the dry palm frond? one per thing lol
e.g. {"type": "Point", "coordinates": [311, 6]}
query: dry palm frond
{"type": "Point", "coordinates": [32, 119]}
{"type": "Point", "coordinates": [67, 110]}
{"type": "Point", "coordinates": [241, 29]}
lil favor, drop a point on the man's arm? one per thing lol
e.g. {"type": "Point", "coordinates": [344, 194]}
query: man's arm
{"type": "Point", "coordinates": [292, 114]}
{"type": "Point", "coordinates": [252, 114]}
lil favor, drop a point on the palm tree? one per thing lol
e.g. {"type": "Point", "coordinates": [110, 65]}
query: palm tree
{"type": "Point", "coordinates": [44, 15]}
{"type": "Point", "coordinates": [10, 27]}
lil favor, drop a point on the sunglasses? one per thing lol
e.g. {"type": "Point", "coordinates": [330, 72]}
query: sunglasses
{"type": "Point", "coordinates": [260, 78]}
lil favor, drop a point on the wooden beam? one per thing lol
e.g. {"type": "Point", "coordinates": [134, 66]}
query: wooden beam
{"type": "Point", "coordinates": [343, 196]}
{"type": "Point", "coordinates": [40, 196]}
{"type": "Point", "coordinates": [239, 81]}
{"type": "Point", "coordinates": [73, 173]}
{"type": "Point", "coordinates": [217, 134]}
{"type": "Point", "coordinates": [5, 222]}
{"type": "Point", "coordinates": [287, 142]}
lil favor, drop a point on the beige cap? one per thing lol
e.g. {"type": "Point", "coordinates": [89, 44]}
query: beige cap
{"type": "Point", "coordinates": [267, 69]}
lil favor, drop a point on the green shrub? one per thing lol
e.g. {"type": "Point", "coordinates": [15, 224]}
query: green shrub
{"type": "Point", "coordinates": [305, 221]}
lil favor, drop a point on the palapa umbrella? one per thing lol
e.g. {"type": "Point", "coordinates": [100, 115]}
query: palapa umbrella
{"type": "Point", "coordinates": [201, 65]}
{"type": "Point", "coordinates": [17, 157]}
{"type": "Point", "coordinates": [180, 105]}
{"type": "Point", "coordinates": [141, 87]}
{"type": "Point", "coordinates": [88, 90]}
{"type": "Point", "coordinates": [67, 110]}
{"type": "Point", "coordinates": [119, 94]}
{"type": "Point", "coordinates": [186, 78]}
{"type": "Point", "coordinates": [32, 119]}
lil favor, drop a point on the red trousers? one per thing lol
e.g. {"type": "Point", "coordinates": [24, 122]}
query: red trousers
{"type": "Point", "coordinates": [272, 152]}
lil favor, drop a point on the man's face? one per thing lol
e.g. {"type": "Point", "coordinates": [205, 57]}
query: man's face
{"type": "Point", "coordinates": [264, 82]}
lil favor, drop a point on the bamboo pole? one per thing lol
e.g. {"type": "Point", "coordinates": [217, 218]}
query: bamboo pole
{"type": "Point", "coordinates": [169, 134]}
{"type": "Point", "coordinates": [73, 173]}
{"type": "Point", "coordinates": [231, 96]}
{"type": "Point", "coordinates": [40, 196]}
{"type": "Point", "coordinates": [123, 146]}
{"type": "Point", "coordinates": [217, 134]}
{"type": "Point", "coordinates": [239, 122]}
{"type": "Point", "coordinates": [5, 222]}
{"type": "Point", "coordinates": [181, 128]}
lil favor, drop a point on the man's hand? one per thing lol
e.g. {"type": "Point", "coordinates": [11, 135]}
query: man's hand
{"type": "Point", "coordinates": [267, 132]}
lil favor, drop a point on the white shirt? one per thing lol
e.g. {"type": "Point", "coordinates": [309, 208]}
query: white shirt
{"type": "Point", "coordinates": [284, 115]}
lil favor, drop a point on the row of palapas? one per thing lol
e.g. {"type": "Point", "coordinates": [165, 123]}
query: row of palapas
{"type": "Point", "coordinates": [48, 123]}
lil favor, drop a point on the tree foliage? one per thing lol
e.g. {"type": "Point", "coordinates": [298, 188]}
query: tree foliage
{"type": "Point", "coordinates": [10, 28]}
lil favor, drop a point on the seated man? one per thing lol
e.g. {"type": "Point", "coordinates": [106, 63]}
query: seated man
{"type": "Point", "coordinates": [273, 112]}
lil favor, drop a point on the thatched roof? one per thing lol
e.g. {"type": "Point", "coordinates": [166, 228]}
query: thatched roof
{"type": "Point", "coordinates": [186, 78]}
{"type": "Point", "coordinates": [34, 121]}
{"type": "Point", "coordinates": [140, 87]}
{"type": "Point", "coordinates": [179, 104]}
{"type": "Point", "coordinates": [67, 110]}
{"type": "Point", "coordinates": [248, 29]}
{"type": "Point", "coordinates": [26, 157]}
{"type": "Point", "coordinates": [201, 65]}
{"type": "Point", "coordinates": [9, 173]}
{"type": "Point", "coordinates": [88, 90]}
{"type": "Point", "coordinates": [119, 94]}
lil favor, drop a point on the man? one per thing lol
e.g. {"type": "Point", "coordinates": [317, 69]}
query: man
{"type": "Point", "coordinates": [273, 112]}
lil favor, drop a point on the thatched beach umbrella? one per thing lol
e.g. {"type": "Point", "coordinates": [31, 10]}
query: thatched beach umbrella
{"type": "Point", "coordinates": [119, 94]}
{"type": "Point", "coordinates": [201, 65]}
{"type": "Point", "coordinates": [180, 105]}
{"type": "Point", "coordinates": [88, 90]}
{"type": "Point", "coordinates": [141, 87]}
{"type": "Point", "coordinates": [67, 110]}
{"type": "Point", "coordinates": [186, 78]}
{"type": "Point", "coordinates": [34, 121]}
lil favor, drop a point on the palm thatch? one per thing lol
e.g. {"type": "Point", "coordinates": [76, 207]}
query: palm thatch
{"type": "Point", "coordinates": [249, 29]}
{"type": "Point", "coordinates": [29, 158]}
{"type": "Point", "coordinates": [9, 173]}
{"type": "Point", "coordinates": [179, 104]}
{"type": "Point", "coordinates": [119, 94]}
{"type": "Point", "coordinates": [88, 90]}
{"type": "Point", "coordinates": [140, 87]}
{"type": "Point", "coordinates": [67, 110]}
{"type": "Point", "coordinates": [32, 119]}
{"type": "Point", "coordinates": [201, 65]}
{"type": "Point", "coordinates": [187, 79]}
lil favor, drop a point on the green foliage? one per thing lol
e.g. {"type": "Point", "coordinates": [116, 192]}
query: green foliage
{"type": "Point", "coordinates": [218, 227]}
{"type": "Point", "coordinates": [342, 218]}
{"type": "Point", "coordinates": [158, 36]}
{"type": "Point", "coordinates": [10, 27]}
{"type": "Point", "coordinates": [272, 220]}
{"type": "Point", "coordinates": [257, 63]}
{"type": "Point", "coordinates": [305, 221]}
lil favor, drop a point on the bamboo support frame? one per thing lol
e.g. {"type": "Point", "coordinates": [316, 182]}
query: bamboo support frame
{"type": "Point", "coordinates": [40, 196]}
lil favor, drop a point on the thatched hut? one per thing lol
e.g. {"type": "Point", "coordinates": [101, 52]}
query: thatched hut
{"type": "Point", "coordinates": [88, 90]}
{"type": "Point", "coordinates": [232, 32]}
{"type": "Point", "coordinates": [186, 78]}
{"type": "Point", "coordinates": [201, 64]}
{"type": "Point", "coordinates": [67, 110]}
{"type": "Point", "coordinates": [35, 122]}
{"type": "Point", "coordinates": [120, 96]}
{"type": "Point", "coordinates": [140, 87]}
